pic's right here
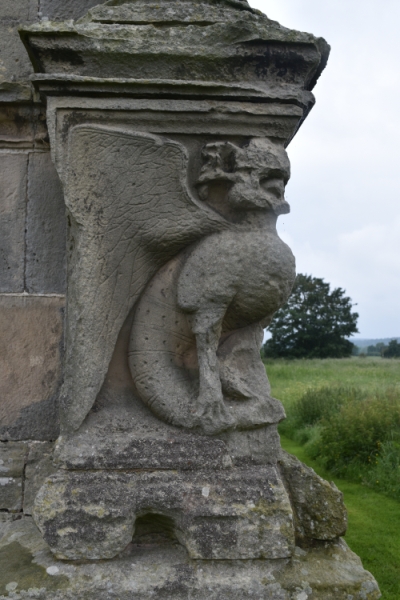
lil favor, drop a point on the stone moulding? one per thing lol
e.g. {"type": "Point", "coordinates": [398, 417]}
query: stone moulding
{"type": "Point", "coordinates": [203, 49]}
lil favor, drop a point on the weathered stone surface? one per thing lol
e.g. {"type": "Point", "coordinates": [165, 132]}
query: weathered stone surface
{"type": "Point", "coordinates": [13, 179]}
{"type": "Point", "coordinates": [22, 126]}
{"type": "Point", "coordinates": [13, 457]}
{"type": "Point", "coordinates": [11, 91]}
{"type": "Point", "coordinates": [14, 62]}
{"type": "Point", "coordinates": [318, 507]}
{"type": "Point", "coordinates": [11, 493]}
{"type": "Point", "coordinates": [226, 514]}
{"type": "Point", "coordinates": [63, 10]}
{"type": "Point", "coordinates": [31, 330]}
{"type": "Point", "coordinates": [148, 570]}
{"type": "Point", "coordinates": [39, 467]}
{"type": "Point", "coordinates": [16, 10]}
{"type": "Point", "coordinates": [46, 228]}
{"type": "Point", "coordinates": [5, 517]}
{"type": "Point", "coordinates": [256, 446]}
{"type": "Point", "coordinates": [122, 450]}
{"type": "Point", "coordinates": [12, 462]}
{"type": "Point", "coordinates": [228, 52]}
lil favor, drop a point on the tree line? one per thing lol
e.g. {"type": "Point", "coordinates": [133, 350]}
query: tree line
{"type": "Point", "coordinates": [392, 350]}
{"type": "Point", "coordinates": [317, 323]}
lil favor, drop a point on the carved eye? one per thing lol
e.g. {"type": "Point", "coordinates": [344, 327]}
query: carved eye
{"type": "Point", "coordinates": [276, 174]}
{"type": "Point", "coordinates": [275, 186]}
{"type": "Point", "coordinates": [228, 160]}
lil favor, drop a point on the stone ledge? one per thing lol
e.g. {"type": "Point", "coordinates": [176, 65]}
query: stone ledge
{"type": "Point", "coordinates": [330, 571]}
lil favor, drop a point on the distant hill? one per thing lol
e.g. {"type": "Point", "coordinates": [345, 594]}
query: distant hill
{"type": "Point", "coordinates": [364, 343]}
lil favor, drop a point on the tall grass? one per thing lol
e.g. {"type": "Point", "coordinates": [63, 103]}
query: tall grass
{"type": "Point", "coordinates": [352, 432]}
{"type": "Point", "coordinates": [290, 379]}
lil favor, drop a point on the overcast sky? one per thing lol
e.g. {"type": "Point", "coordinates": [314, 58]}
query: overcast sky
{"type": "Point", "coordinates": [344, 192]}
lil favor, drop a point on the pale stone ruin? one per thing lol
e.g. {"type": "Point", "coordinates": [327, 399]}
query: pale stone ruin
{"type": "Point", "coordinates": [143, 171]}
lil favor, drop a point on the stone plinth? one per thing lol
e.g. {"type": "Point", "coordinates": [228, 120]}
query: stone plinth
{"type": "Point", "coordinates": [157, 567]}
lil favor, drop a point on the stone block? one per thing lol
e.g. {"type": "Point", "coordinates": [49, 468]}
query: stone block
{"type": "Point", "coordinates": [91, 449]}
{"type": "Point", "coordinates": [221, 515]}
{"type": "Point", "coordinates": [39, 466]}
{"type": "Point", "coordinates": [13, 178]}
{"type": "Point", "coordinates": [11, 494]}
{"type": "Point", "coordinates": [46, 228]}
{"type": "Point", "coordinates": [31, 330]}
{"type": "Point", "coordinates": [11, 91]}
{"type": "Point", "coordinates": [14, 61]}
{"type": "Point", "coordinates": [318, 507]}
{"type": "Point", "coordinates": [62, 10]}
{"type": "Point", "coordinates": [13, 456]}
{"type": "Point", "coordinates": [12, 462]}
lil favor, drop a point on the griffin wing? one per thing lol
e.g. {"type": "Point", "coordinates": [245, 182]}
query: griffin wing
{"type": "Point", "coordinates": [130, 212]}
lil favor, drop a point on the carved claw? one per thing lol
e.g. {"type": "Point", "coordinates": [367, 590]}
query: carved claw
{"type": "Point", "coordinates": [213, 416]}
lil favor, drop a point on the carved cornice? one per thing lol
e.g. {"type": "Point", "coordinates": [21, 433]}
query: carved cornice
{"type": "Point", "coordinates": [179, 49]}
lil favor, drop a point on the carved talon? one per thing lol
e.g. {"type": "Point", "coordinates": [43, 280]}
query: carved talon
{"type": "Point", "coordinates": [214, 416]}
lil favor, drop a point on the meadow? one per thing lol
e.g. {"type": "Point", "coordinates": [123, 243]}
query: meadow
{"type": "Point", "coordinates": [349, 394]}
{"type": "Point", "coordinates": [290, 379]}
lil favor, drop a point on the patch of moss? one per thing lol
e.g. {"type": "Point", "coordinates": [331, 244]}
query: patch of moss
{"type": "Point", "coordinates": [16, 565]}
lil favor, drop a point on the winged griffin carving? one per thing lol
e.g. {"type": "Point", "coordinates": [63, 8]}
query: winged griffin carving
{"type": "Point", "coordinates": [199, 263]}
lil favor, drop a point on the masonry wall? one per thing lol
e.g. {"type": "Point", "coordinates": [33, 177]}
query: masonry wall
{"type": "Point", "coordinates": [32, 264]}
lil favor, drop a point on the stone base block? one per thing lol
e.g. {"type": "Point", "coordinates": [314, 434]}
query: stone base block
{"type": "Point", "coordinates": [227, 514]}
{"type": "Point", "coordinates": [147, 571]}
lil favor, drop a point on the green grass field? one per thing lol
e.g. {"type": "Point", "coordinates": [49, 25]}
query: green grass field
{"type": "Point", "coordinates": [374, 519]}
{"type": "Point", "coordinates": [291, 378]}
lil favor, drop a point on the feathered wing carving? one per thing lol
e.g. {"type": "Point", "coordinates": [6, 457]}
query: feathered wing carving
{"type": "Point", "coordinates": [130, 212]}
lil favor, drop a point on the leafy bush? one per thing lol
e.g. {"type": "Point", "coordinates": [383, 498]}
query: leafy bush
{"type": "Point", "coordinates": [305, 415]}
{"type": "Point", "coordinates": [357, 431]}
{"type": "Point", "coordinates": [322, 403]}
{"type": "Point", "coordinates": [351, 432]}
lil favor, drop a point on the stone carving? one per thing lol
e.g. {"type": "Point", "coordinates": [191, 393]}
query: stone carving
{"type": "Point", "coordinates": [207, 306]}
{"type": "Point", "coordinates": [209, 273]}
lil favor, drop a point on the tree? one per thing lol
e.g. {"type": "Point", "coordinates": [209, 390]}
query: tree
{"type": "Point", "coordinates": [392, 350]}
{"type": "Point", "coordinates": [376, 350]}
{"type": "Point", "coordinates": [314, 323]}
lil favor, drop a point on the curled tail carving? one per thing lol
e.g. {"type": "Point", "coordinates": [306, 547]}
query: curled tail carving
{"type": "Point", "coordinates": [164, 364]}
{"type": "Point", "coordinates": [162, 351]}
